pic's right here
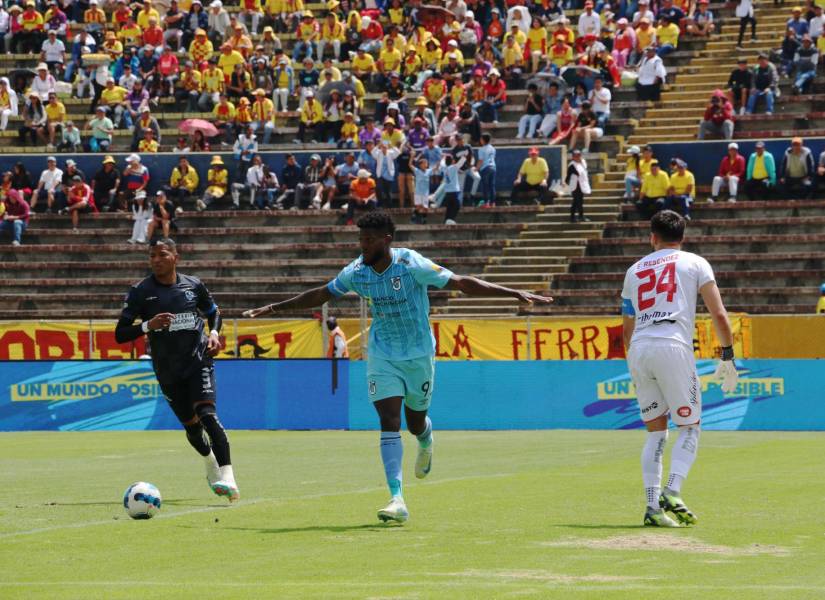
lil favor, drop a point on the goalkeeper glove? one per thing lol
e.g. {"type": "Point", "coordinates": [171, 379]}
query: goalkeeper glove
{"type": "Point", "coordinates": [726, 371]}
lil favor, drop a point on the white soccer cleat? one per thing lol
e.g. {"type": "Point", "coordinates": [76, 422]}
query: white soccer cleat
{"type": "Point", "coordinates": [225, 484]}
{"type": "Point", "coordinates": [396, 511]}
{"type": "Point", "coordinates": [424, 461]}
{"type": "Point", "coordinates": [228, 489]}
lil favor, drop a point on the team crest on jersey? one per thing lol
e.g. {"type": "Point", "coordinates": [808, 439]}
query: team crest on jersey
{"type": "Point", "coordinates": [396, 283]}
{"type": "Point", "coordinates": [190, 295]}
{"type": "Point", "coordinates": [372, 388]}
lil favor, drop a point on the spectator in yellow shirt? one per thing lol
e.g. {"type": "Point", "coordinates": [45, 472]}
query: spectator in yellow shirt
{"type": "Point", "coordinates": [183, 183]}
{"type": "Point", "coordinates": [512, 54]}
{"type": "Point", "coordinates": [667, 36]}
{"type": "Point", "coordinates": [431, 55]}
{"type": "Point", "coordinates": [212, 85]}
{"type": "Point", "coordinates": [30, 36]}
{"type": "Point", "coordinates": [130, 35]}
{"type": "Point", "coordinates": [363, 64]}
{"type": "Point", "coordinates": [217, 183]}
{"type": "Point", "coordinates": [820, 304]}
{"type": "Point", "coordinates": [654, 191]}
{"type": "Point", "coordinates": [200, 50]}
{"type": "Point", "coordinates": [228, 59]}
{"type": "Point", "coordinates": [312, 117]}
{"type": "Point", "coordinates": [113, 97]}
{"type": "Point", "coordinates": [306, 36]}
{"type": "Point", "coordinates": [515, 32]}
{"type": "Point", "coordinates": [55, 117]}
{"type": "Point", "coordinates": [533, 175]}
{"type": "Point", "coordinates": [145, 14]}
{"type": "Point", "coordinates": [349, 132]}
{"type": "Point", "coordinates": [682, 189]}
{"type": "Point", "coordinates": [332, 32]}
{"type": "Point", "coordinates": [452, 53]}
{"type": "Point", "coordinates": [389, 59]}
{"type": "Point", "coordinates": [263, 115]}
{"type": "Point", "coordinates": [148, 143]}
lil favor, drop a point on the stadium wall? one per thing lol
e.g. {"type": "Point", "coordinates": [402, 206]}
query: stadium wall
{"type": "Point", "coordinates": [703, 158]}
{"type": "Point", "coordinates": [160, 165]}
{"type": "Point", "coordinates": [323, 394]}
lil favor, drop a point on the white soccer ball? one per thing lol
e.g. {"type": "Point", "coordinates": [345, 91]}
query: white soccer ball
{"type": "Point", "coordinates": [142, 500]}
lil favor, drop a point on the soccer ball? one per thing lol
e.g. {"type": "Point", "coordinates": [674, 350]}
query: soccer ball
{"type": "Point", "coordinates": [142, 500]}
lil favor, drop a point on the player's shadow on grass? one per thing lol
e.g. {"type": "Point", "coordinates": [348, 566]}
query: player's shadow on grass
{"type": "Point", "coordinates": [173, 502]}
{"type": "Point", "coordinates": [596, 526]}
{"type": "Point", "coordinates": [327, 528]}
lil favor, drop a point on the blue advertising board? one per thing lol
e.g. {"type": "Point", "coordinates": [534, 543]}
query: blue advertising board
{"type": "Point", "coordinates": [323, 394]}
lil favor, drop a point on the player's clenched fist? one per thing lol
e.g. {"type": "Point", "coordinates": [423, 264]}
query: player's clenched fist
{"type": "Point", "coordinates": [161, 321]}
{"type": "Point", "coordinates": [256, 312]}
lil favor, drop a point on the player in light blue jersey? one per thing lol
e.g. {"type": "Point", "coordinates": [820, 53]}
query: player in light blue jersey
{"type": "Point", "coordinates": [401, 350]}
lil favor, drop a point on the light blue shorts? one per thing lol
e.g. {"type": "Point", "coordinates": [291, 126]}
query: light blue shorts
{"type": "Point", "coordinates": [412, 380]}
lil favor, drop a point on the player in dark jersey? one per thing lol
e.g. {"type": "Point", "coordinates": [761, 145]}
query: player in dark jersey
{"type": "Point", "coordinates": [171, 308]}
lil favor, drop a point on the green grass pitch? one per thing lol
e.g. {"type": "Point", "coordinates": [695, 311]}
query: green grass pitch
{"type": "Point", "coordinates": [539, 514]}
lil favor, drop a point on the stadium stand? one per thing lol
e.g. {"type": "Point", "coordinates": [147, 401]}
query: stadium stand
{"type": "Point", "coordinates": [523, 245]}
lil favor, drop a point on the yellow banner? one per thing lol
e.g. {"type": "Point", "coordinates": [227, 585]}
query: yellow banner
{"type": "Point", "coordinates": [272, 339]}
{"type": "Point", "coordinates": [61, 340]}
{"type": "Point", "coordinates": [578, 338]}
{"type": "Point", "coordinates": [596, 338]}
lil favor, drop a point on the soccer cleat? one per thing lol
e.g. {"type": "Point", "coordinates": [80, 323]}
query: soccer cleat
{"type": "Point", "coordinates": [658, 518]}
{"type": "Point", "coordinates": [396, 511]}
{"type": "Point", "coordinates": [673, 503]}
{"type": "Point", "coordinates": [424, 460]}
{"type": "Point", "coordinates": [229, 489]}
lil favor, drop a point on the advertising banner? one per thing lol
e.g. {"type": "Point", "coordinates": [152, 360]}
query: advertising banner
{"type": "Point", "coordinates": [324, 394]}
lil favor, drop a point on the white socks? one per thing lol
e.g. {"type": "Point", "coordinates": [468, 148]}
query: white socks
{"type": "Point", "coordinates": [227, 474]}
{"type": "Point", "coordinates": [683, 455]}
{"type": "Point", "coordinates": [213, 471]}
{"type": "Point", "coordinates": [652, 453]}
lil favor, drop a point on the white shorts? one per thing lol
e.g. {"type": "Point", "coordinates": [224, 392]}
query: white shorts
{"type": "Point", "coordinates": [664, 373]}
{"type": "Point", "coordinates": [421, 200]}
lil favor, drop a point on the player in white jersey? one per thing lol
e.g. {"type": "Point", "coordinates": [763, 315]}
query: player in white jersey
{"type": "Point", "coordinates": [659, 310]}
{"type": "Point", "coordinates": [400, 365]}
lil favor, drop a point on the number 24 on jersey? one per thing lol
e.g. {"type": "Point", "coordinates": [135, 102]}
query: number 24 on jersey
{"type": "Point", "coordinates": [665, 285]}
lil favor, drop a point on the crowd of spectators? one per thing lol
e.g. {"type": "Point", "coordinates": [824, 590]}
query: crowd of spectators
{"type": "Point", "coordinates": [436, 71]}
{"type": "Point", "coordinates": [762, 176]}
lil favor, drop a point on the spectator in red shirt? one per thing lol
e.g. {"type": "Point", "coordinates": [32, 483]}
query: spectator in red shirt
{"type": "Point", "coordinates": [495, 95]}
{"type": "Point", "coordinates": [79, 199]}
{"type": "Point", "coordinates": [731, 170]}
{"type": "Point", "coordinates": [718, 119]}
{"type": "Point", "coordinates": [16, 217]}
{"type": "Point", "coordinates": [168, 69]}
{"type": "Point", "coordinates": [153, 35]}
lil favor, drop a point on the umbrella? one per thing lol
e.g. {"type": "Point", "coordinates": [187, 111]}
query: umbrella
{"type": "Point", "coordinates": [545, 78]}
{"type": "Point", "coordinates": [190, 126]}
{"type": "Point", "coordinates": [325, 90]}
{"type": "Point", "coordinates": [582, 68]}
{"type": "Point", "coordinates": [435, 13]}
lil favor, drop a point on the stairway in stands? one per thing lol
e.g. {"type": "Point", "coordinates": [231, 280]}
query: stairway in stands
{"type": "Point", "coordinates": [544, 251]}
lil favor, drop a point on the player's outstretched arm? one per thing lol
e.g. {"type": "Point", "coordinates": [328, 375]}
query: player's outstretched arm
{"type": "Point", "coordinates": [726, 370]}
{"type": "Point", "coordinates": [472, 286]}
{"type": "Point", "coordinates": [309, 299]}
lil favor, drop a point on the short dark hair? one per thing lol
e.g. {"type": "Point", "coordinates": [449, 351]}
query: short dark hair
{"type": "Point", "coordinates": [486, 137]}
{"type": "Point", "coordinates": [377, 221]}
{"type": "Point", "coordinates": [168, 242]}
{"type": "Point", "coordinates": [668, 225]}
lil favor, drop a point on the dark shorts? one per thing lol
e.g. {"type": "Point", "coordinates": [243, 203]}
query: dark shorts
{"type": "Point", "coordinates": [183, 395]}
